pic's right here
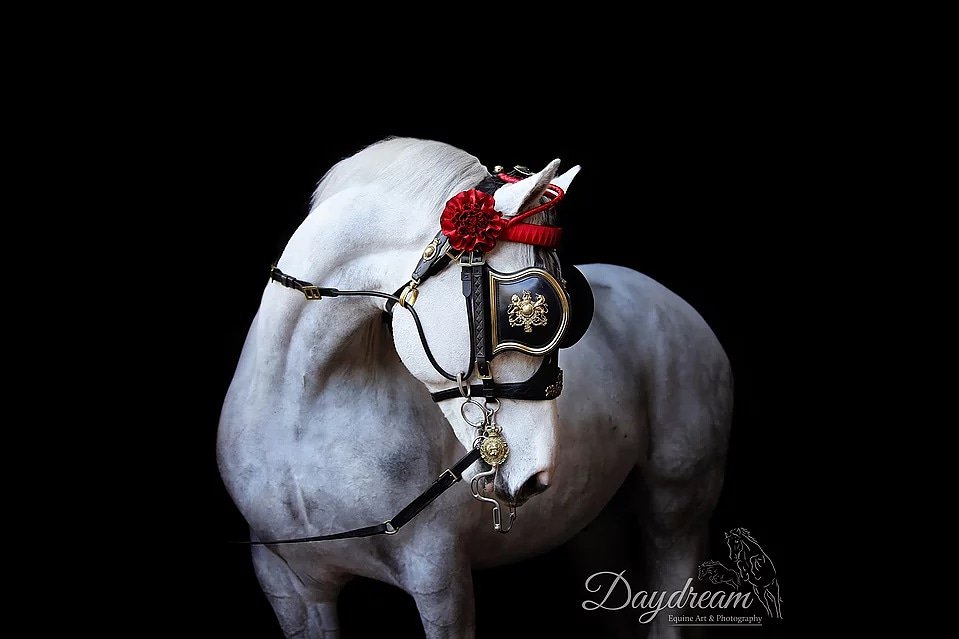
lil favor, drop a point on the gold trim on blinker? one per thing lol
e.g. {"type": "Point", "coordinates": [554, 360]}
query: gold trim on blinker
{"type": "Point", "coordinates": [496, 279]}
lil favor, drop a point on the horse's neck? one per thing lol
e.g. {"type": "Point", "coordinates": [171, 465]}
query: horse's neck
{"type": "Point", "coordinates": [300, 344]}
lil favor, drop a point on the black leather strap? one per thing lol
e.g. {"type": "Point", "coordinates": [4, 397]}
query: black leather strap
{"type": "Point", "coordinates": [449, 477]}
{"type": "Point", "coordinates": [490, 184]}
{"type": "Point", "coordinates": [474, 288]}
{"type": "Point", "coordinates": [432, 264]}
{"type": "Point", "coordinates": [479, 312]}
{"type": "Point", "coordinates": [317, 292]}
{"type": "Point", "coordinates": [429, 265]}
{"type": "Point", "coordinates": [546, 383]}
{"type": "Point", "coordinates": [442, 254]}
{"type": "Point", "coordinates": [310, 291]}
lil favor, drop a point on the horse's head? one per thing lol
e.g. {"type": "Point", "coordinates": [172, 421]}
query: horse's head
{"type": "Point", "coordinates": [529, 426]}
{"type": "Point", "coordinates": [740, 543]}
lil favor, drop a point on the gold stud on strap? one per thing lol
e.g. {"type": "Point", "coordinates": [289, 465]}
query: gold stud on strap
{"type": "Point", "coordinates": [430, 251]}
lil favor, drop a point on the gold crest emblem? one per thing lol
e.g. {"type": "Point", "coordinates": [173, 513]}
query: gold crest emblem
{"type": "Point", "coordinates": [526, 312]}
{"type": "Point", "coordinates": [494, 450]}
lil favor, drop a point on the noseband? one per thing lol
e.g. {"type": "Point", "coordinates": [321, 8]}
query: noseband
{"type": "Point", "coordinates": [530, 311]}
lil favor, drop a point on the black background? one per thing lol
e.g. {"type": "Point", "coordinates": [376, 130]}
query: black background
{"type": "Point", "coordinates": [709, 199]}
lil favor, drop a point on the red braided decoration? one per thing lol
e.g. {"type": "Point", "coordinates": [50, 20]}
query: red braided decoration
{"type": "Point", "coordinates": [535, 234]}
{"type": "Point", "coordinates": [555, 197]}
{"type": "Point", "coordinates": [518, 231]}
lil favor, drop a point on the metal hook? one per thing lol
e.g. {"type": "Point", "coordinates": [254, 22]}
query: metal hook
{"type": "Point", "coordinates": [476, 490]}
{"type": "Point", "coordinates": [497, 517]}
{"type": "Point", "coordinates": [497, 524]}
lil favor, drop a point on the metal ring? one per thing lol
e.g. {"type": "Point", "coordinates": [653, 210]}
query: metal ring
{"type": "Point", "coordinates": [482, 422]}
{"type": "Point", "coordinates": [459, 382]}
{"type": "Point", "coordinates": [494, 409]}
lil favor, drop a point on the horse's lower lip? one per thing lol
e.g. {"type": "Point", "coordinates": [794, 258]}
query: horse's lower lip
{"type": "Point", "coordinates": [515, 501]}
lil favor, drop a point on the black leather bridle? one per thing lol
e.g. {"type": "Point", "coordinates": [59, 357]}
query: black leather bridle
{"type": "Point", "coordinates": [545, 384]}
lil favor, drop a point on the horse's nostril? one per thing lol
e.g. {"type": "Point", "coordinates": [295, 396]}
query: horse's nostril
{"type": "Point", "coordinates": [542, 480]}
{"type": "Point", "coordinates": [533, 486]}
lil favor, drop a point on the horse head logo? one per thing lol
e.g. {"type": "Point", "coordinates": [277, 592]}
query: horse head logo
{"type": "Point", "coordinates": [741, 543]}
{"type": "Point", "coordinates": [751, 565]}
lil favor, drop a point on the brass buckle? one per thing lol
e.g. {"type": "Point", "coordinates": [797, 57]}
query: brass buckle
{"type": "Point", "coordinates": [312, 292]}
{"type": "Point", "coordinates": [466, 259]}
{"type": "Point", "coordinates": [409, 294]}
{"type": "Point", "coordinates": [453, 257]}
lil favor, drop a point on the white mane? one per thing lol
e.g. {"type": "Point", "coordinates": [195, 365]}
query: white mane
{"type": "Point", "coordinates": [410, 169]}
{"type": "Point", "coordinates": [422, 173]}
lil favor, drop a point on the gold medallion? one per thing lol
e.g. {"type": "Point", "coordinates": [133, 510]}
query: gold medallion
{"type": "Point", "coordinates": [526, 312]}
{"type": "Point", "coordinates": [494, 450]}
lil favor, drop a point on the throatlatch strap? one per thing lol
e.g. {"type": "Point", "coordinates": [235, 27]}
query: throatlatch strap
{"type": "Point", "coordinates": [449, 477]}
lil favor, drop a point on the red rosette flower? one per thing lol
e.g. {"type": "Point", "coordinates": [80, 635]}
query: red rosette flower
{"type": "Point", "coordinates": [471, 221]}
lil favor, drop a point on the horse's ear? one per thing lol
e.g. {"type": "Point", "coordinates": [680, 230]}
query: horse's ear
{"type": "Point", "coordinates": [514, 198]}
{"type": "Point", "coordinates": [563, 181]}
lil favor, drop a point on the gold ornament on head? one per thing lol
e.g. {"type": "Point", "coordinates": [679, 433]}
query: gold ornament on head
{"type": "Point", "coordinates": [494, 450]}
{"type": "Point", "coordinates": [526, 312]}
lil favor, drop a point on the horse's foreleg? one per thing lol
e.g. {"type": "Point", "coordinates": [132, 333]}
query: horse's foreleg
{"type": "Point", "coordinates": [674, 522]}
{"type": "Point", "coordinates": [769, 598]}
{"type": "Point", "coordinates": [306, 609]}
{"type": "Point", "coordinates": [441, 583]}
